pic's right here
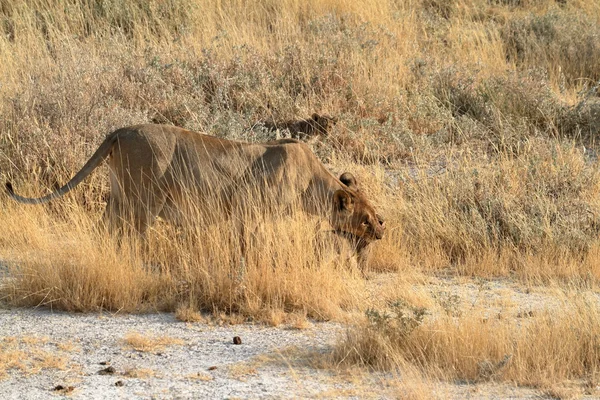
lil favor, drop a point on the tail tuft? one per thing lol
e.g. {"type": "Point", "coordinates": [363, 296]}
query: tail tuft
{"type": "Point", "coordinates": [9, 188]}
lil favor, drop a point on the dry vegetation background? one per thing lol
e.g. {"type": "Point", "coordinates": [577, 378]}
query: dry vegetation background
{"type": "Point", "coordinates": [470, 123]}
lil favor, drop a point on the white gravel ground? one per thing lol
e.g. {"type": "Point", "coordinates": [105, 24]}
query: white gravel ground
{"type": "Point", "coordinates": [240, 370]}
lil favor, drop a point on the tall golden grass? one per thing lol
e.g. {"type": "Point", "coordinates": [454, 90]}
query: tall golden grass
{"type": "Point", "coordinates": [541, 349]}
{"type": "Point", "coordinates": [63, 260]}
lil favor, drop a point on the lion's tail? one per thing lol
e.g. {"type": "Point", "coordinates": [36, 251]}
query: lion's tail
{"type": "Point", "coordinates": [97, 158]}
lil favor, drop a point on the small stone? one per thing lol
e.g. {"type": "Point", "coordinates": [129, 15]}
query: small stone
{"type": "Point", "coordinates": [107, 371]}
{"type": "Point", "coordinates": [119, 383]}
{"type": "Point", "coordinates": [212, 368]}
{"type": "Point", "coordinates": [237, 340]}
{"type": "Point", "coordinates": [63, 389]}
{"type": "Point", "coordinates": [104, 363]}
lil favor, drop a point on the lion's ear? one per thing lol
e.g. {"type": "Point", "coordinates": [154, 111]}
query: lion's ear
{"type": "Point", "coordinates": [349, 180]}
{"type": "Point", "coordinates": [315, 116]}
{"type": "Point", "coordinates": [343, 201]}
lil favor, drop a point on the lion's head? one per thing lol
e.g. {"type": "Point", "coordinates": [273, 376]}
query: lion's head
{"type": "Point", "coordinates": [323, 124]}
{"type": "Point", "coordinates": [353, 214]}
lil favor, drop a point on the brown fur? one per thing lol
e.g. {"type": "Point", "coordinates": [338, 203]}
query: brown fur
{"type": "Point", "coordinates": [153, 168]}
{"type": "Point", "coordinates": [304, 129]}
{"type": "Point", "coordinates": [354, 249]}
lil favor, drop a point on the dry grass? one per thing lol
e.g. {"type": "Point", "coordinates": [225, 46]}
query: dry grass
{"type": "Point", "coordinates": [402, 97]}
{"type": "Point", "coordinates": [470, 123]}
{"type": "Point", "coordinates": [188, 313]}
{"type": "Point", "coordinates": [538, 350]}
{"type": "Point", "coordinates": [533, 216]}
{"type": "Point", "coordinates": [200, 376]}
{"type": "Point", "coordinates": [150, 343]}
{"type": "Point", "coordinates": [298, 321]}
{"type": "Point", "coordinates": [241, 371]}
{"type": "Point", "coordinates": [68, 347]}
{"type": "Point", "coordinates": [200, 270]}
{"type": "Point", "coordinates": [27, 355]}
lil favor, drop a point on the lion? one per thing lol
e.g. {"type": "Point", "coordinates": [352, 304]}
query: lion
{"type": "Point", "coordinates": [153, 169]}
{"type": "Point", "coordinates": [305, 129]}
{"type": "Point", "coordinates": [346, 247]}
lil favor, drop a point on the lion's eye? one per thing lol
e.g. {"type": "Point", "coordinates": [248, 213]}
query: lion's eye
{"type": "Point", "coordinates": [365, 223]}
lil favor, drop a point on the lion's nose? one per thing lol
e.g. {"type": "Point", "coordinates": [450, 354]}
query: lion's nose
{"type": "Point", "coordinates": [379, 233]}
{"type": "Point", "coordinates": [381, 228]}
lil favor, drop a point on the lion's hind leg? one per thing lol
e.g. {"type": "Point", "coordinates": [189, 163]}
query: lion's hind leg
{"type": "Point", "coordinates": [133, 214]}
{"type": "Point", "coordinates": [112, 220]}
{"type": "Point", "coordinates": [147, 207]}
